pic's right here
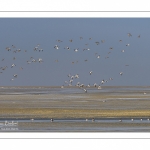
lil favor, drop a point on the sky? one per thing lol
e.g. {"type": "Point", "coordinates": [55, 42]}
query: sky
{"type": "Point", "coordinates": [44, 33]}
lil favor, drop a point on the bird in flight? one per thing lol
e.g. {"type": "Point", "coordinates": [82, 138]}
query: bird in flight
{"type": "Point", "coordinates": [90, 72]}
{"type": "Point", "coordinates": [129, 34]}
{"type": "Point", "coordinates": [121, 73]}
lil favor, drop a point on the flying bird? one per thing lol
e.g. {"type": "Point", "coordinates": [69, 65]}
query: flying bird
{"type": "Point", "coordinates": [90, 72]}
{"type": "Point", "coordinates": [15, 75]}
{"type": "Point", "coordinates": [13, 65]}
{"type": "Point", "coordinates": [129, 34]}
{"type": "Point", "coordinates": [121, 73]}
{"type": "Point", "coordinates": [76, 50]}
{"type": "Point", "coordinates": [56, 47]}
{"type": "Point", "coordinates": [40, 60]}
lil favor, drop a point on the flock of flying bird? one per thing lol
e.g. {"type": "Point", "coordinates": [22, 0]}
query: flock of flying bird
{"type": "Point", "coordinates": [71, 78]}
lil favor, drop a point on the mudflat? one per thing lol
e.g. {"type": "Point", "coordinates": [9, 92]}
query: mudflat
{"type": "Point", "coordinates": [54, 102]}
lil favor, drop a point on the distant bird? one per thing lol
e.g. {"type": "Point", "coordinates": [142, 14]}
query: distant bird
{"type": "Point", "coordinates": [3, 68]}
{"type": "Point", "coordinates": [40, 60]}
{"type": "Point", "coordinates": [69, 75]}
{"type": "Point", "coordinates": [111, 48]}
{"type": "Point", "coordinates": [15, 75]}
{"type": "Point", "coordinates": [99, 87]}
{"type": "Point", "coordinates": [76, 50]}
{"type": "Point", "coordinates": [59, 41]}
{"type": "Point", "coordinates": [8, 48]}
{"type": "Point", "coordinates": [129, 34]}
{"type": "Point", "coordinates": [76, 76]}
{"type": "Point", "coordinates": [81, 85]}
{"type": "Point", "coordinates": [93, 119]}
{"type": "Point", "coordinates": [88, 85]}
{"type": "Point", "coordinates": [95, 84]}
{"type": "Point", "coordinates": [90, 72]}
{"type": "Point", "coordinates": [56, 47]}
{"type": "Point", "coordinates": [103, 81]}
{"type": "Point", "coordinates": [68, 48]}
{"type": "Point", "coordinates": [139, 36]}
{"type": "Point", "coordinates": [13, 46]}
{"type": "Point", "coordinates": [98, 56]}
{"type": "Point", "coordinates": [85, 90]}
{"type": "Point", "coordinates": [127, 44]}
{"type": "Point", "coordinates": [18, 50]}
{"type": "Point", "coordinates": [33, 60]}
{"type": "Point", "coordinates": [72, 77]}
{"type": "Point", "coordinates": [122, 51]}
{"type": "Point", "coordinates": [78, 83]}
{"type": "Point", "coordinates": [70, 81]}
{"type": "Point", "coordinates": [35, 48]}
{"type": "Point", "coordinates": [97, 43]}
{"type": "Point", "coordinates": [121, 73]}
{"type": "Point", "coordinates": [102, 41]}
{"type": "Point", "coordinates": [52, 119]}
{"type": "Point", "coordinates": [28, 62]}
{"type": "Point", "coordinates": [13, 65]}
{"type": "Point", "coordinates": [41, 50]}
{"type": "Point", "coordinates": [71, 40]}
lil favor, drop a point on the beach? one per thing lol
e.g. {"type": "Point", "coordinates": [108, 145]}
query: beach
{"type": "Point", "coordinates": [71, 103]}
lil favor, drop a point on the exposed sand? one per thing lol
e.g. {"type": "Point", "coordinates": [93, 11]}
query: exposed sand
{"type": "Point", "coordinates": [75, 105]}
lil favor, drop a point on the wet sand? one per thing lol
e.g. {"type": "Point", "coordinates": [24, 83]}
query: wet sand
{"type": "Point", "coordinates": [108, 102]}
{"type": "Point", "coordinates": [84, 127]}
{"type": "Point", "coordinates": [73, 103]}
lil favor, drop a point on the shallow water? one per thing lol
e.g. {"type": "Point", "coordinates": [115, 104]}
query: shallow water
{"type": "Point", "coordinates": [77, 98]}
{"type": "Point", "coordinates": [73, 90]}
{"type": "Point", "coordinates": [78, 125]}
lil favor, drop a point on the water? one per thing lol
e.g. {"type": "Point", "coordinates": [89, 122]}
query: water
{"type": "Point", "coordinates": [74, 98]}
{"type": "Point", "coordinates": [79, 125]}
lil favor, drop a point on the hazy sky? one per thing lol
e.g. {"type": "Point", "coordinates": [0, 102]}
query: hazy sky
{"type": "Point", "coordinates": [27, 33]}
